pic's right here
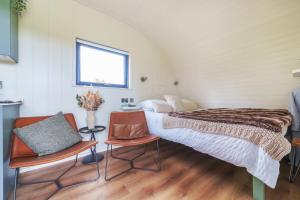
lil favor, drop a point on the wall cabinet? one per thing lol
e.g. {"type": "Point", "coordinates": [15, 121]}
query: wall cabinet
{"type": "Point", "coordinates": [8, 32]}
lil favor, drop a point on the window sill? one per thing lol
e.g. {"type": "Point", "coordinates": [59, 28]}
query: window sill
{"type": "Point", "coordinates": [101, 87]}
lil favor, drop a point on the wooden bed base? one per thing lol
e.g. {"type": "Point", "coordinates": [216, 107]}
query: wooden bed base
{"type": "Point", "coordinates": [258, 190]}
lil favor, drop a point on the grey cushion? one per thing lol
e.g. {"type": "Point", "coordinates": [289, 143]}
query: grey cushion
{"type": "Point", "coordinates": [49, 136]}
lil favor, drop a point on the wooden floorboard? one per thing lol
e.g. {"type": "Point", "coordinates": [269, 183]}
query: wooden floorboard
{"type": "Point", "coordinates": [185, 174]}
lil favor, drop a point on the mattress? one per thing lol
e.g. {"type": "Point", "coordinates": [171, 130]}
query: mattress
{"type": "Point", "coordinates": [236, 151]}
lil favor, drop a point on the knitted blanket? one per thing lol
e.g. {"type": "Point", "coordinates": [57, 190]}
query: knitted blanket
{"type": "Point", "coordinates": [263, 127]}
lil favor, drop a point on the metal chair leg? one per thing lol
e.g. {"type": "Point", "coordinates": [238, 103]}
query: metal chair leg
{"type": "Point", "coordinates": [97, 164]}
{"type": "Point", "coordinates": [124, 159]}
{"type": "Point", "coordinates": [294, 169]}
{"type": "Point", "coordinates": [57, 180]}
{"type": "Point", "coordinates": [297, 170]}
{"type": "Point", "coordinates": [292, 164]}
{"type": "Point", "coordinates": [17, 171]}
{"type": "Point", "coordinates": [106, 163]}
{"type": "Point", "coordinates": [131, 162]}
{"type": "Point", "coordinates": [157, 161]}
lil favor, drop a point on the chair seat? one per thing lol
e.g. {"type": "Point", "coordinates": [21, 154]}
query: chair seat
{"type": "Point", "coordinates": [139, 141]}
{"type": "Point", "coordinates": [39, 160]}
{"type": "Point", "coordinates": [296, 142]}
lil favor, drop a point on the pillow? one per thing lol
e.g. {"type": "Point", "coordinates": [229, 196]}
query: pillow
{"type": "Point", "coordinates": [49, 136]}
{"type": "Point", "coordinates": [129, 131]}
{"type": "Point", "coordinates": [175, 102]}
{"type": "Point", "coordinates": [148, 104]}
{"type": "Point", "coordinates": [162, 107]}
{"type": "Point", "coordinates": [189, 104]}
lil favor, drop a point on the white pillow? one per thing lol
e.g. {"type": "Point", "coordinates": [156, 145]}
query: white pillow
{"type": "Point", "coordinates": [189, 105]}
{"type": "Point", "coordinates": [162, 107]}
{"type": "Point", "coordinates": [175, 102]}
{"type": "Point", "coordinates": [148, 104]}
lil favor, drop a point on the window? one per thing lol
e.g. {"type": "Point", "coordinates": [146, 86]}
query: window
{"type": "Point", "coordinates": [99, 65]}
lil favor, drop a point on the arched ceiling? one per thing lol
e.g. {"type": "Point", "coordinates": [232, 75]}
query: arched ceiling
{"type": "Point", "coordinates": [224, 52]}
{"type": "Point", "coordinates": [172, 24]}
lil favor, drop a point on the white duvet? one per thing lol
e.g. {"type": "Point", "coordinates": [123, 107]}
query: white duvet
{"type": "Point", "coordinates": [233, 150]}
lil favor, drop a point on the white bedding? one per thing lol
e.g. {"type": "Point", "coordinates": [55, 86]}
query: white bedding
{"type": "Point", "coordinates": [233, 150]}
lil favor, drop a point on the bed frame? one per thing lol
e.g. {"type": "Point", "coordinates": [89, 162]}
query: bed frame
{"type": "Point", "coordinates": [258, 188]}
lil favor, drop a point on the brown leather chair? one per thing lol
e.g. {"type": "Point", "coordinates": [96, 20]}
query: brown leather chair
{"type": "Point", "coordinates": [23, 156]}
{"type": "Point", "coordinates": [137, 117]}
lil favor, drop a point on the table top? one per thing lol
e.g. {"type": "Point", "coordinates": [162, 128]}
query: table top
{"type": "Point", "coordinates": [97, 129]}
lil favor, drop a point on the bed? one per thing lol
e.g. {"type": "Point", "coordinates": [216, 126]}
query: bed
{"type": "Point", "coordinates": [242, 153]}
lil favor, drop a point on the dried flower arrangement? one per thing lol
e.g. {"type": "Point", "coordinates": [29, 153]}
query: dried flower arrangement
{"type": "Point", "coordinates": [90, 101]}
{"type": "Point", "coordinates": [20, 6]}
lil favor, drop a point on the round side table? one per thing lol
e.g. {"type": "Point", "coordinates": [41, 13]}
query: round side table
{"type": "Point", "coordinates": [91, 158]}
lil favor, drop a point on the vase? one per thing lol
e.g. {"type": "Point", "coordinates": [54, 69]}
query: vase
{"type": "Point", "coordinates": [90, 119]}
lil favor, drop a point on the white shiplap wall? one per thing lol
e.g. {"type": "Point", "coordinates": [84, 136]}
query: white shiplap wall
{"type": "Point", "coordinates": [44, 77]}
{"type": "Point", "coordinates": [242, 54]}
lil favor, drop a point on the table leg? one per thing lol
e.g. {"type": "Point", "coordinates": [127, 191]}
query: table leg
{"type": "Point", "coordinates": [91, 159]}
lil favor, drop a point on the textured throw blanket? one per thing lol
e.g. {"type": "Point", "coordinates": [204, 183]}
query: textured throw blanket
{"type": "Point", "coordinates": [263, 127]}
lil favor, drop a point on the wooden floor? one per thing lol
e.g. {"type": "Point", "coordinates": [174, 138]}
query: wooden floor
{"type": "Point", "coordinates": [186, 174]}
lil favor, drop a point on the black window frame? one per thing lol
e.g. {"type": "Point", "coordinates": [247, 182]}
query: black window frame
{"type": "Point", "coordinates": [79, 82]}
